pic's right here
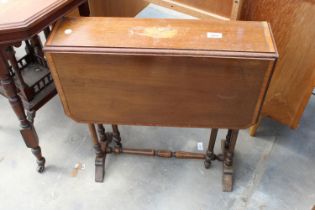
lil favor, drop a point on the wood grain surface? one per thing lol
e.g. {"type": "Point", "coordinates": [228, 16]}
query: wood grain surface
{"type": "Point", "coordinates": [167, 34]}
{"type": "Point", "coordinates": [293, 24]}
{"type": "Point", "coordinates": [116, 8]}
{"type": "Point", "coordinates": [102, 81]}
{"type": "Point", "coordinates": [20, 19]}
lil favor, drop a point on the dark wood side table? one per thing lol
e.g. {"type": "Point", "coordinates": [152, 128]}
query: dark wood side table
{"type": "Point", "coordinates": [180, 73]}
{"type": "Point", "coordinates": [27, 82]}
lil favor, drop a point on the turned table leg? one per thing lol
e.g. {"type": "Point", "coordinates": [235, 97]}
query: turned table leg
{"type": "Point", "coordinates": [228, 147]}
{"type": "Point", "coordinates": [210, 156]}
{"type": "Point", "coordinates": [27, 130]}
{"type": "Point", "coordinates": [116, 136]}
{"type": "Point", "coordinates": [100, 154]}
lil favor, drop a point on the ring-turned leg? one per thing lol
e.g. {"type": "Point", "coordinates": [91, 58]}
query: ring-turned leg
{"type": "Point", "coordinates": [100, 155]}
{"type": "Point", "coordinates": [27, 130]}
{"type": "Point", "coordinates": [116, 136]}
{"type": "Point", "coordinates": [210, 154]}
{"type": "Point", "coordinates": [228, 147]}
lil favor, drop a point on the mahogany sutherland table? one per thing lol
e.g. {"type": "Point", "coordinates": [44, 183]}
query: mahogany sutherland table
{"type": "Point", "coordinates": [157, 72]}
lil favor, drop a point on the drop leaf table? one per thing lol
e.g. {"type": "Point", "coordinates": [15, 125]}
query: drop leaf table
{"type": "Point", "coordinates": [162, 72]}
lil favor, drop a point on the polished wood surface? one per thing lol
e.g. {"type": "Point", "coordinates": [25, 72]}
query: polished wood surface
{"type": "Point", "coordinates": [170, 86]}
{"type": "Point", "coordinates": [167, 34]}
{"type": "Point", "coordinates": [162, 83]}
{"type": "Point", "coordinates": [293, 23]}
{"type": "Point", "coordinates": [116, 8]}
{"type": "Point", "coordinates": [163, 73]}
{"type": "Point", "coordinates": [29, 19]}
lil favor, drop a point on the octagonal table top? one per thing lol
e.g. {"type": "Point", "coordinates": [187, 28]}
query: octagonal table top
{"type": "Point", "coordinates": [21, 19]}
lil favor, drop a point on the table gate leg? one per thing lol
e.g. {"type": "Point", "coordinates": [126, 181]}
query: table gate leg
{"type": "Point", "coordinates": [228, 146]}
{"type": "Point", "coordinates": [116, 136]}
{"type": "Point", "coordinates": [27, 130]}
{"type": "Point", "coordinates": [210, 154]}
{"type": "Point", "coordinates": [100, 155]}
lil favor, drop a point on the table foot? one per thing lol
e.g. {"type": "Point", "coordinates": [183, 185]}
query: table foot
{"type": "Point", "coordinates": [99, 169]}
{"type": "Point", "coordinates": [228, 146]}
{"type": "Point", "coordinates": [227, 179]}
{"type": "Point", "coordinates": [40, 159]}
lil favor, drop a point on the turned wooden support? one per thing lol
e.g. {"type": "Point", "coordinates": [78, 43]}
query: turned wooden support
{"type": "Point", "coordinates": [27, 130]}
{"type": "Point", "coordinates": [210, 153]}
{"type": "Point", "coordinates": [100, 155]}
{"type": "Point", "coordinates": [101, 132]}
{"type": "Point", "coordinates": [116, 136]}
{"type": "Point", "coordinates": [10, 55]}
{"type": "Point", "coordinates": [228, 147]}
{"type": "Point", "coordinates": [29, 50]}
{"type": "Point", "coordinates": [158, 153]}
{"type": "Point", "coordinates": [37, 45]}
{"type": "Point", "coordinates": [228, 159]}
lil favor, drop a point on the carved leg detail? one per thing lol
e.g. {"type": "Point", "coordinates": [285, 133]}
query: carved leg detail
{"type": "Point", "coordinates": [116, 136]}
{"type": "Point", "coordinates": [27, 130]}
{"type": "Point", "coordinates": [228, 146]}
{"type": "Point", "coordinates": [38, 50]}
{"type": "Point", "coordinates": [210, 153]}
{"type": "Point", "coordinates": [101, 132]}
{"type": "Point", "coordinates": [100, 155]}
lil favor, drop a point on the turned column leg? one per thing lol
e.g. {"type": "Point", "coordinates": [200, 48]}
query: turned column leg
{"type": "Point", "coordinates": [27, 130]}
{"type": "Point", "coordinates": [116, 136]}
{"type": "Point", "coordinates": [101, 132]}
{"type": "Point", "coordinates": [100, 155]}
{"type": "Point", "coordinates": [37, 45]}
{"type": "Point", "coordinates": [228, 147]}
{"type": "Point", "coordinates": [210, 154]}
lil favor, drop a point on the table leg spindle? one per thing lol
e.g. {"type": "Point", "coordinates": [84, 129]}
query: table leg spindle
{"type": "Point", "coordinates": [100, 155]}
{"type": "Point", "coordinates": [228, 146]}
{"type": "Point", "coordinates": [210, 156]}
{"type": "Point", "coordinates": [116, 136]}
{"type": "Point", "coordinates": [27, 130]}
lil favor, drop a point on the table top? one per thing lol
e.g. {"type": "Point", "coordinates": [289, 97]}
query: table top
{"type": "Point", "coordinates": [20, 19]}
{"type": "Point", "coordinates": [100, 34]}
